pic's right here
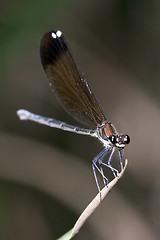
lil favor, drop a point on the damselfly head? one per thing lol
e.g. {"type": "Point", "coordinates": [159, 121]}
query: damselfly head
{"type": "Point", "coordinates": [119, 140]}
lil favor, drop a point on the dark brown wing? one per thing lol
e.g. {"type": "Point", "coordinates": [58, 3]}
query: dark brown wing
{"type": "Point", "coordinates": [69, 86]}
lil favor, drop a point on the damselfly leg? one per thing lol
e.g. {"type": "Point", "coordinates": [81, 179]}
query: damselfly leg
{"type": "Point", "coordinates": [120, 156]}
{"type": "Point", "coordinates": [99, 159]}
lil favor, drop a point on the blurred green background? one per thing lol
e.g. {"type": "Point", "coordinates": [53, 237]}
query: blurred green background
{"type": "Point", "coordinates": [46, 178]}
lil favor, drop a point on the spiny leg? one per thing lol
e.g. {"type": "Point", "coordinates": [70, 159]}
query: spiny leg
{"type": "Point", "coordinates": [95, 176]}
{"type": "Point", "coordinates": [100, 157]}
{"type": "Point", "coordinates": [120, 156]}
{"type": "Point", "coordinates": [105, 180]}
{"type": "Point", "coordinates": [100, 161]}
{"type": "Point", "coordinates": [109, 163]}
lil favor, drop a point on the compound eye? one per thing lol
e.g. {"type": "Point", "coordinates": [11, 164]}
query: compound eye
{"type": "Point", "coordinates": [126, 139]}
{"type": "Point", "coordinates": [112, 138]}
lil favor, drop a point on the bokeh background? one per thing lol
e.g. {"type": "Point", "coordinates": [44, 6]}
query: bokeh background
{"type": "Point", "coordinates": [46, 178]}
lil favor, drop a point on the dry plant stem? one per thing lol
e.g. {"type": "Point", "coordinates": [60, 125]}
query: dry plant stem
{"type": "Point", "coordinates": [92, 206]}
{"type": "Point", "coordinates": [66, 236]}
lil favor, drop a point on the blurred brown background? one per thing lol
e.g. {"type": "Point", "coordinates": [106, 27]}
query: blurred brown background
{"type": "Point", "coordinates": [46, 178]}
